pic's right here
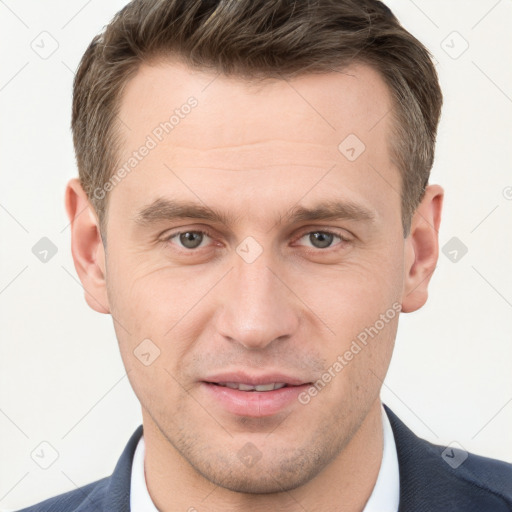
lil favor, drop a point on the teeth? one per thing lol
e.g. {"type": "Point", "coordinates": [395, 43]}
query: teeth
{"type": "Point", "coordinates": [265, 387]}
{"type": "Point", "coordinates": [248, 387]}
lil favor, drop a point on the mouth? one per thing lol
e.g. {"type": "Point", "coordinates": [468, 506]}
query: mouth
{"type": "Point", "coordinates": [247, 382]}
{"type": "Point", "coordinates": [253, 396]}
{"type": "Point", "coordinates": [248, 387]}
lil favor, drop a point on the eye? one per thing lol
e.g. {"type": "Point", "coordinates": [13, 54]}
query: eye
{"type": "Point", "coordinates": [188, 239]}
{"type": "Point", "coordinates": [323, 239]}
{"type": "Point", "coordinates": [191, 240]}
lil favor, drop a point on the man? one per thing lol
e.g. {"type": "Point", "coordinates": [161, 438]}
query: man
{"type": "Point", "coordinates": [253, 210]}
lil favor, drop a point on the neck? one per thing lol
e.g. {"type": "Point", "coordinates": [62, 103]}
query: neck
{"type": "Point", "coordinates": [344, 485]}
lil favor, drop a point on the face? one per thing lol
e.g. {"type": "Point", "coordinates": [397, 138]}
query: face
{"type": "Point", "coordinates": [257, 240]}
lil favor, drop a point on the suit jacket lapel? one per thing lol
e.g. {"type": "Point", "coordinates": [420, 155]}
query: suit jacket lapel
{"type": "Point", "coordinates": [117, 497]}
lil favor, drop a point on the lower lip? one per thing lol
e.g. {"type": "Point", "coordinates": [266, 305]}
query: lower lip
{"type": "Point", "coordinates": [254, 404]}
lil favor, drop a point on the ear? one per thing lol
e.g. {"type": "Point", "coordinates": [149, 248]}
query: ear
{"type": "Point", "coordinates": [87, 247]}
{"type": "Point", "coordinates": [422, 249]}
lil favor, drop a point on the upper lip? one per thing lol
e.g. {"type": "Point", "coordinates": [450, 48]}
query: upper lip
{"type": "Point", "coordinates": [255, 380]}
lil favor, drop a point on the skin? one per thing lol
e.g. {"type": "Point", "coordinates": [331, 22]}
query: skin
{"type": "Point", "coordinates": [257, 151]}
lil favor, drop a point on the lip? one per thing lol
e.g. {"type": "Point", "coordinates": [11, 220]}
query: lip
{"type": "Point", "coordinates": [254, 404]}
{"type": "Point", "coordinates": [255, 380]}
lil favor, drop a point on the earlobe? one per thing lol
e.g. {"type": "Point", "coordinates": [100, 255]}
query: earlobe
{"type": "Point", "coordinates": [86, 246]}
{"type": "Point", "coordinates": [422, 249]}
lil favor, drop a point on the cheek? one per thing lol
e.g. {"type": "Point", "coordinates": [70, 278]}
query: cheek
{"type": "Point", "coordinates": [361, 304]}
{"type": "Point", "coordinates": [153, 301]}
{"type": "Point", "coordinates": [141, 288]}
{"type": "Point", "coordinates": [149, 308]}
{"type": "Point", "coordinates": [351, 296]}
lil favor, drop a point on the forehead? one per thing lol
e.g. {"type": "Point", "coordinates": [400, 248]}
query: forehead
{"type": "Point", "coordinates": [209, 130]}
{"type": "Point", "coordinates": [322, 106]}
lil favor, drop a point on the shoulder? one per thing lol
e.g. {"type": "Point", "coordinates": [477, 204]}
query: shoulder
{"type": "Point", "coordinates": [492, 474]}
{"type": "Point", "coordinates": [481, 475]}
{"type": "Point", "coordinates": [468, 478]}
{"type": "Point", "coordinates": [109, 494]}
{"type": "Point", "coordinates": [448, 478]}
{"type": "Point", "coordinates": [87, 498]}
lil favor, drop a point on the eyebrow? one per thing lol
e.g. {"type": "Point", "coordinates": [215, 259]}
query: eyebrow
{"type": "Point", "coordinates": [168, 210]}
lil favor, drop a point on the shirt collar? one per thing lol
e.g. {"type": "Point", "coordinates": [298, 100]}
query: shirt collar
{"type": "Point", "coordinates": [386, 492]}
{"type": "Point", "coordinates": [384, 498]}
{"type": "Point", "coordinates": [140, 500]}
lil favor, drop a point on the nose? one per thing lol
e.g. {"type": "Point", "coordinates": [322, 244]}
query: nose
{"type": "Point", "coordinates": [258, 307]}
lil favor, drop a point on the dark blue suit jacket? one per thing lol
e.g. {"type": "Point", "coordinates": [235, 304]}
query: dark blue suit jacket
{"type": "Point", "coordinates": [429, 481]}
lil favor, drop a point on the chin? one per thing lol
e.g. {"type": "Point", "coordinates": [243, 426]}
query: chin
{"type": "Point", "coordinates": [260, 480]}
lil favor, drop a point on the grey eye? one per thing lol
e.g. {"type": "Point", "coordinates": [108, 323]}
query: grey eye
{"type": "Point", "coordinates": [191, 239]}
{"type": "Point", "coordinates": [321, 239]}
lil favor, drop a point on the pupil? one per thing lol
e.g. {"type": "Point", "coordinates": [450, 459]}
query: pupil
{"type": "Point", "coordinates": [320, 239]}
{"type": "Point", "coordinates": [190, 239]}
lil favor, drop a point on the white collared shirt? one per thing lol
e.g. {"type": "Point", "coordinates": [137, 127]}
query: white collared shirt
{"type": "Point", "coordinates": [386, 492]}
{"type": "Point", "coordinates": [384, 498]}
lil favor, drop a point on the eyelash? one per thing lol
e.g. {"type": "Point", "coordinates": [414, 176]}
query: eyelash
{"type": "Point", "coordinates": [342, 238]}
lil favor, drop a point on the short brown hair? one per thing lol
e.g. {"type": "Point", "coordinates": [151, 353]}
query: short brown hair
{"type": "Point", "coordinates": [257, 39]}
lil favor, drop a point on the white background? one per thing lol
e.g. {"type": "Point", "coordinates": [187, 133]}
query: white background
{"type": "Point", "coordinates": [61, 377]}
